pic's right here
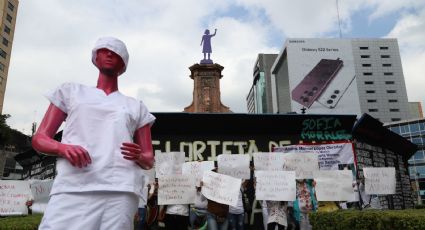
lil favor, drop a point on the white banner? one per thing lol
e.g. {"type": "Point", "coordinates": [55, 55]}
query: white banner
{"type": "Point", "coordinates": [334, 185]}
{"type": "Point", "coordinates": [40, 190]}
{"type": "Point", "coordinates": [330, 155]}
{"type": "Point", "coordinates": [380, 180]}
{"type": "Point", "coordinates": [221, 188]}
{"type": "Point", "coordinates": [169, 163]}
{"type": "Point", "coordinates": [13, 196]}
{"type": "Point", "coordinates": [235, 165]}
{"type": "Point", "coordinates": [268, 161]}
{"type": "Point", "coordinates": [275, 185]}
{"type": "Point", "coordinates": [302, 163]}
{"type": "Point", "coordinates": [176, 189]}
{"type": "Point", "coordinates": [197, 169]}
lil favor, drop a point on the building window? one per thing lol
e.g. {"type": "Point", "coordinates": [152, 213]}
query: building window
{"type": "Point", "coordinates": [367, 73]}
{"type": "Point", "coordinates": [392, 100]}
{"type": "Point", "coordinates": [364, 56]}
{"type": "Point", "coordinates": [3, 53]}
{"type": "Point", "coordinates": [385, 56]}
{"type": "Point", "coordinates": [364, 47]}
{"type": "Point", "coordinates": [391, 91]}
{"type": "Point", "coordinates": [2, 67]}
{"type": "Point", "coordinates": [373, 110]}
{"type": "Point", "coordinates": [388, 73]}
{"type": "Point", "coordinates": [6, 29]}
{"type": "Point", "coordinates": [383, 47]}
{"type": "Point", "coordinates": [371, 100]}
{"type": "Point", "coordinates": [370, 91]}
{"type": "Point", "coordinates": [366, 65]}
{"type": "Point", "coordinates": [5, 42]}
{"type": "Point", "coordinates": [394, 110]}
{"type": "Point", "coordinates": [9, 18]}
{"type": "Point", "coordinates": [389, 82]}
{"type": "Point", "coordinates": [395, 119]}
{"type": "Point", "coordinates": [386, 65]}
{"type": "Point", "coordinates": [10, 6]}
{"type": "Point", "coordinates": [368, 82]}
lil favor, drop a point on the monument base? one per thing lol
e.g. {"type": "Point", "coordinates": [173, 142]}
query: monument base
{"type": "Point", "coordinates": [206, 61]}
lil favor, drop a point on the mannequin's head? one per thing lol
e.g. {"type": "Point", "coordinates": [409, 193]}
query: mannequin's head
{"type": "Point", "coordinates": [110, 54]}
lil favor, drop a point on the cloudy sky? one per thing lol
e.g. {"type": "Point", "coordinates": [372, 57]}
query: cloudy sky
{"type": "Point", "coordinates": [54, 38]}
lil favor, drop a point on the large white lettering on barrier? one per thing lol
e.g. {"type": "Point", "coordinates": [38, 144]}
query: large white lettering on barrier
{"type": "Point", "coordinates": [380, 180]}
{"type": "Point", "coordinates": [221, 188]}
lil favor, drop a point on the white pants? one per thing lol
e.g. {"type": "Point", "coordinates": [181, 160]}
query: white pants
{"type": "Point", "coordinates": [90, 210]}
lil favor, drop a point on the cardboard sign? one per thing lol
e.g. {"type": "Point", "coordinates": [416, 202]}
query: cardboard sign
{"type": "Point", "coordinates": [197, 169]}
{"type": "Point", "coordinates": [235, 165]}
{"type": "Point", "coordinates": [169, 163]}
{"type": "Point", "coordinates": [275, 185]}
{"type": "Point", "coordinates": [40, 190]}
{"type": "Point", "coordinates": [176, 189]}
{"type": "Point", "coordinates": [268, 161]}
{"type": "Point", "coordinates": [302, 163]}
{"type": "Point", "coordinates": [13, 195]}
{"type": "Point", "coordinates": [334, 185]}
{"type": "Point", "coordinates": [380, 180]}
{"type": "Point", "coordinates": [221, 188]}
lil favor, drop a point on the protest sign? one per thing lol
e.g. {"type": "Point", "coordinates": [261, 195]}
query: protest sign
{"type": "Point", "coordinates": [169, 163]}
{"type": "Point", "coordinates": [40, 190]}
{"type": "Point", "coordinates": [380, 180]}
{"type": "Point", "coordinates": [275, 185]}
{"type": "Point", "coordinates": [196, 169]}
{"type": "Point", "coordinates": [221, 188]}
{"type": "Point", "coordinates": [176, 189]}
{"type": "Point", "coordinates": [302, 163]}
{"type": "Point", "coordinates": [268, 161]}
{"type": "Point", "coordinates": [334, 185]}
{"type": "Point", "coordinates": [234, 165]}
{"type": "Point", "coordinates": [13, 195]}
{"type": "Point", "coordinates": [329, 155]}
{"type": "Point", "coordinates": [150, 174]}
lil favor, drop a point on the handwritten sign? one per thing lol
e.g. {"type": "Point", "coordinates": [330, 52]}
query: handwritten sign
{"type": "Point", "coordinates": [40, 190]}
{"type": "Point", "coordinates": [13, 195]}
{"type": "Point", "coordinates": [235, 165]}
{"type": "Point", "coordinates": [334, 185]}
{"type": "Point", "coordinates": [275, 185]}
{"type": "Point", "coordinates": [169, 163]}
{"type": "Point", "coordinates": [150, 174]}
{"type": "Point", "coordinates": [268, 161]}
{"type": "Point", "coordinates": [380, 180]}
{"type": "Point", "coordinates": [221, 188]}
{"type": "Point", "coordinates": [197, 169]}
{"type": "Point", "coordinates": [176, 189]}
{"type": "Point", "coordinates": [302, 163]}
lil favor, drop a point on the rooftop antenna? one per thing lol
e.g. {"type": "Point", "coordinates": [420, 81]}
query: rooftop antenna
{"type": "Point", "coordinates": [339, 21]}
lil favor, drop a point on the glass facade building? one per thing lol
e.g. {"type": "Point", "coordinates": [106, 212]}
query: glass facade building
{"type": "Point", "coordinates": [414, 130]}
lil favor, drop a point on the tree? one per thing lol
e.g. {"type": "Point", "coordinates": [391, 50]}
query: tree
{"type": "Point", "coordinates": [4, 129]}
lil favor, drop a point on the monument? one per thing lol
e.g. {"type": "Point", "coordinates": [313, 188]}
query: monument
{"type": "Point", "coordinates": [206, 77]}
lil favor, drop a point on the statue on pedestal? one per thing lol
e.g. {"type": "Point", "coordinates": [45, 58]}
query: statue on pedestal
{"type": "Point", "coordinates": [206, 48]}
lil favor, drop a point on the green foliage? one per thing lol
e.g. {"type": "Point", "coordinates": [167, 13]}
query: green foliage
{"type": "Point", "coordinates": [29, 222]}
{"type": "Point", "coordinates": [369, 219]}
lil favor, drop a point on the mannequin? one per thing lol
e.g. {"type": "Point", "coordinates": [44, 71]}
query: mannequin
{"type": "Point", "coordinates": [106, 146]}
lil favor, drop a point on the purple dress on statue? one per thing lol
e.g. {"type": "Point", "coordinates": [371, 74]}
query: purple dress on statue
{"type": "Point", "coordinates": [206, 48]}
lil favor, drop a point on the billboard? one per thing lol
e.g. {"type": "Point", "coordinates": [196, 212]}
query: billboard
{"type": "Point", "coordinates": [322, 76]}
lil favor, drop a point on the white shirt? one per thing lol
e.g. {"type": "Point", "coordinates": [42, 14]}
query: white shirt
{"type": "Point", "coordinates": [238, 209]}
{"type": "Point", "coordinates": [99, 123]}
{"type": "Point", "coordinates": [178, 209]}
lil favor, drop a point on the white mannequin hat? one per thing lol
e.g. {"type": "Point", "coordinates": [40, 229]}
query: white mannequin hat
{"type": "Point", "coordinates": [113, 44]}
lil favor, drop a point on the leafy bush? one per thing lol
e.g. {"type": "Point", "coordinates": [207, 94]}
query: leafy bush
{"type": "Point", "coordinates": [369, 219]}
{"type": "Point", "coordinates": [29, 222]}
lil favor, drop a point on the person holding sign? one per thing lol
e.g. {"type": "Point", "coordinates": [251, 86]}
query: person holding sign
{"type": "Point", "coordinates": [106, 144]}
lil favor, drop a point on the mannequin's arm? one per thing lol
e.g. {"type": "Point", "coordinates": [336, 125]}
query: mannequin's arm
{"type": "Point", "coordinates": [141, 150]}
{"type": "Point", "coordinates": [43, 140]}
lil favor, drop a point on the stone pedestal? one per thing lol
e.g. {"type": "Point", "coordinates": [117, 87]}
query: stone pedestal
{"type": "Point", "coordinates": [206, 89]}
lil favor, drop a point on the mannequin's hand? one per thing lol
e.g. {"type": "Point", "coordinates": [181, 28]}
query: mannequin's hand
{"type": "Point", "coordinates": [131, 151]}
{"type": "Point", "coordinates": [75, 154]}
